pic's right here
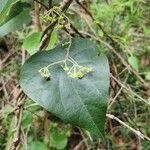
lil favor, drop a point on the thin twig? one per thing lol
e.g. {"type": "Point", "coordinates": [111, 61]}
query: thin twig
{"type": "Point", "coordinates": [37, 23]}
{"type": "Point", "coordinates": [24, 138]}
{"type": "Point", "coordinates": [46, 36]}
{"type": "Point", "coordinates": [18, 113]}
{"type": "Point", "coordinates": [116, 96]}
{"type": "Point", "coordinates": [65, 4]}
{"type": "Point", "coordinates": [122, 85]}
{"type": "Point", "coordinates": [46, 128]}
{"type": "Point", "coordinates": [76, 31]}
{"type": "Point", "coordinates": [138, 133]}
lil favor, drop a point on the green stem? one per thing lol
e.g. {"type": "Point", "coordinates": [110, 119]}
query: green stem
{"type": "Point", "coordinates": [55, 63]}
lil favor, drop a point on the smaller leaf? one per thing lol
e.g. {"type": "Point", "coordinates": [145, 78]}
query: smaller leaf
{"type": "Point", "coordinates": [53, 41]}
{"type": "Point", "coordinates": [147, 76]}
{"type": "Point", "coordinates": [31, 43]}
{"type": "Point", "coordinates": [37, 146]}
{"type": "Point", "coordinates": [7, 109]}
{"type": "Point", "coordinates": [27, 119]}
{"type": "Point", "coordinates": [58, 140]}
{"type": "Point", "coordinates": [133, 61]}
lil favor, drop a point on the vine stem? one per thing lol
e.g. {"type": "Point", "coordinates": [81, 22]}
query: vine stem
{"type": "Point", "coordinates": [55, 63]}
{"type": "Point", "coordinates": [72, 60]}
{"type": "Point", "coordinates": [63, 61]}
{"type": "Point", "coordinates": [68, 48]}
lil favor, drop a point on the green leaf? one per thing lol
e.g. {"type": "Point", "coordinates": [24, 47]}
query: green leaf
{"type": "Point", "coordinates": [31, 43]}
{"type": "Point", "coordinates": [147, 76]}
{"type": "Point", "coordinates": [58, 140]}
{"type": "Point", "coordinates": [53, 41]}
{"type": "Point", "coordinates": [16, 23]}
{"type": "Point", "coordinates": [37, 145]}
{"type": "Point", "coordinates": [133, 61]}
{"type": "Point", "coordinates": [27, 119]}
{"type": "Point", "coordinates": [5, 5]}
{"type": "Point", "coordinates": [7, 109]}
{"type": "Point", "coordinates": [7, 10]}
{"type": "Point", "coordinates": [81, 102]}
{"type": "Point", "coordinates": [2, 4]}
{"type": "Point", "coordinates": [10, 9]}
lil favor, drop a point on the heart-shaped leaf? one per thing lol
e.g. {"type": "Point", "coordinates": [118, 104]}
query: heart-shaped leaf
{"type": "Point", "coordinates": [79, 101]}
